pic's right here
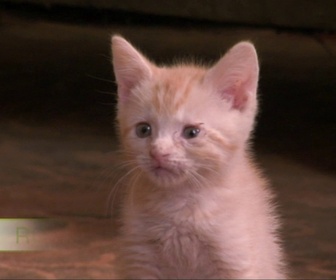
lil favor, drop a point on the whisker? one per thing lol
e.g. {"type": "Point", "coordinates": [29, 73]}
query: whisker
{"type": "Point", "coordinates": [100, 79]}
{"type": "Point", "coordinates": [208, 168]}
{"type": "Point", "coordinates": [134, 179]}
{"type": "Point", "coordinates": [116, 188]}
{"type": "Point", "coordinates": [194, 179]}
{"type": "Point", "coordinates": [125, 165]}
{"type": "Point", "coordinates": [105, 92]}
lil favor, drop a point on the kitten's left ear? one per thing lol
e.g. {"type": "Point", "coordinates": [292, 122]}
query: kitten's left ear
{"type": "Point", "coordinates": [235, 76]}
{"type": "Point", "coordinates": [130, 67]}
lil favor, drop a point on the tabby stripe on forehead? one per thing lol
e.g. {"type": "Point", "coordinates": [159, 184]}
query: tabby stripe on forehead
{"type": "Point", "coordinates": [193, 80]}
{"type": "Point", "coordinates": [166, 96]}
{"type": "Point", "coordinates": [156, 98]}
{"type": "Point", "coordinates": [183, 96]}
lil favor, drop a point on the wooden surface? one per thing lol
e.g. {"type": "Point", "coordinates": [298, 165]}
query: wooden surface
{"type": "Point", "coordinates": [64, 172]}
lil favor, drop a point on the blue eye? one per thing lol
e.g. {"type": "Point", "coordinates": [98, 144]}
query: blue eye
{"type": "Point", "coordinates": [143, 130]}
{"type": "Point", "coordinates": [190, 132]}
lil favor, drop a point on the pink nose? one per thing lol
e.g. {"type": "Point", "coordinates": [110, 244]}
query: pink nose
{"type": "Point", "coordinates": [158, 156]}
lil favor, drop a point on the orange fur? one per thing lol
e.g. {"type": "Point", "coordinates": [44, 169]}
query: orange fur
{"type": "Point", "coordinates": [196, 205]}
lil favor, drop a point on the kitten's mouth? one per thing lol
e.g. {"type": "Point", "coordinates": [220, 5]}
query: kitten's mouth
{"type": "Point", "coordinates": [163, 171]}
{"type": "Point", "coordinates": [165, 174]}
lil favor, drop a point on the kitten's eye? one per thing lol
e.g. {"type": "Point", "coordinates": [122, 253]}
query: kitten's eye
{"type": "Point", "coordinates": [143, 130]}
{"type": "Point", "coordinates": [190, 132]}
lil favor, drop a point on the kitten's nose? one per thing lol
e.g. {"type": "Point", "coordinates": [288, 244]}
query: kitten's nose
{"type": "Point", "coordinates": [158, 156]}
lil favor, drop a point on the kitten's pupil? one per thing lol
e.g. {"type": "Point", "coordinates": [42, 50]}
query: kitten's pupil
{"type": "Point", "coordinates": [191, 132]}
{"type": "Point", "coordinates": [143, 130]}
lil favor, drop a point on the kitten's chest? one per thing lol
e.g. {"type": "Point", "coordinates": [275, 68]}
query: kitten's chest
{"type": "Point", "coordinates": [183, 250]}
{"type": "Point", "coordinates": [182, 239]}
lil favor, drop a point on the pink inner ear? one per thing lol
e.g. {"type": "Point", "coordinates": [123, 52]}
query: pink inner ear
{"type": "Point", "coordinates": [240, 101]}
{"type": "Point", "coordinates": [237, 94]}
{"type": "Point", "coordinates": [237, 88]}
{"type": "Point", "coordinates": [235, 76]}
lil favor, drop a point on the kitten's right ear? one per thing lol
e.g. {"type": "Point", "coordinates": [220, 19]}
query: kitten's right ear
{"type": "Point", "coordinates": [235, 76]}
{"type": "Point", "coordinates": [130, 67]}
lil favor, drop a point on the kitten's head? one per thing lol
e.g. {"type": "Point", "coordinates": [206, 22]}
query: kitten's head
{"type": "Point", "coordinates": [183, 124]}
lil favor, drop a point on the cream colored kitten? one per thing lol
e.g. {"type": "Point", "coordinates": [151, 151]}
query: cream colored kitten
{"type": "Point", "coordinates": [196, 206]}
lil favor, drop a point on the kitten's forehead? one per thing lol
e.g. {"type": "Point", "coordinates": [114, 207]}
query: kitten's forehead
{"type": "Point", "coordinates": [173, 87]}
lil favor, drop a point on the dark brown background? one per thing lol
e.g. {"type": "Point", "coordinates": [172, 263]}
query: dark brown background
{"type": "Point", "coordinates": [57, 137]}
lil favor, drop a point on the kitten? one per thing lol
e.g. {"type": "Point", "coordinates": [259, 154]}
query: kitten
{"type": "Point", "coordinates": [196, 206]}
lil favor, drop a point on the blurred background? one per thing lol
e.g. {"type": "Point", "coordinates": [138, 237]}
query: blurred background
{"type": "Point", "coordinates": [57, 106]}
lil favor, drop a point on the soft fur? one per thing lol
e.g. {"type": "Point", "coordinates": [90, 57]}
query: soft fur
{"type": "Point", "coordinates": [195, 207]}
